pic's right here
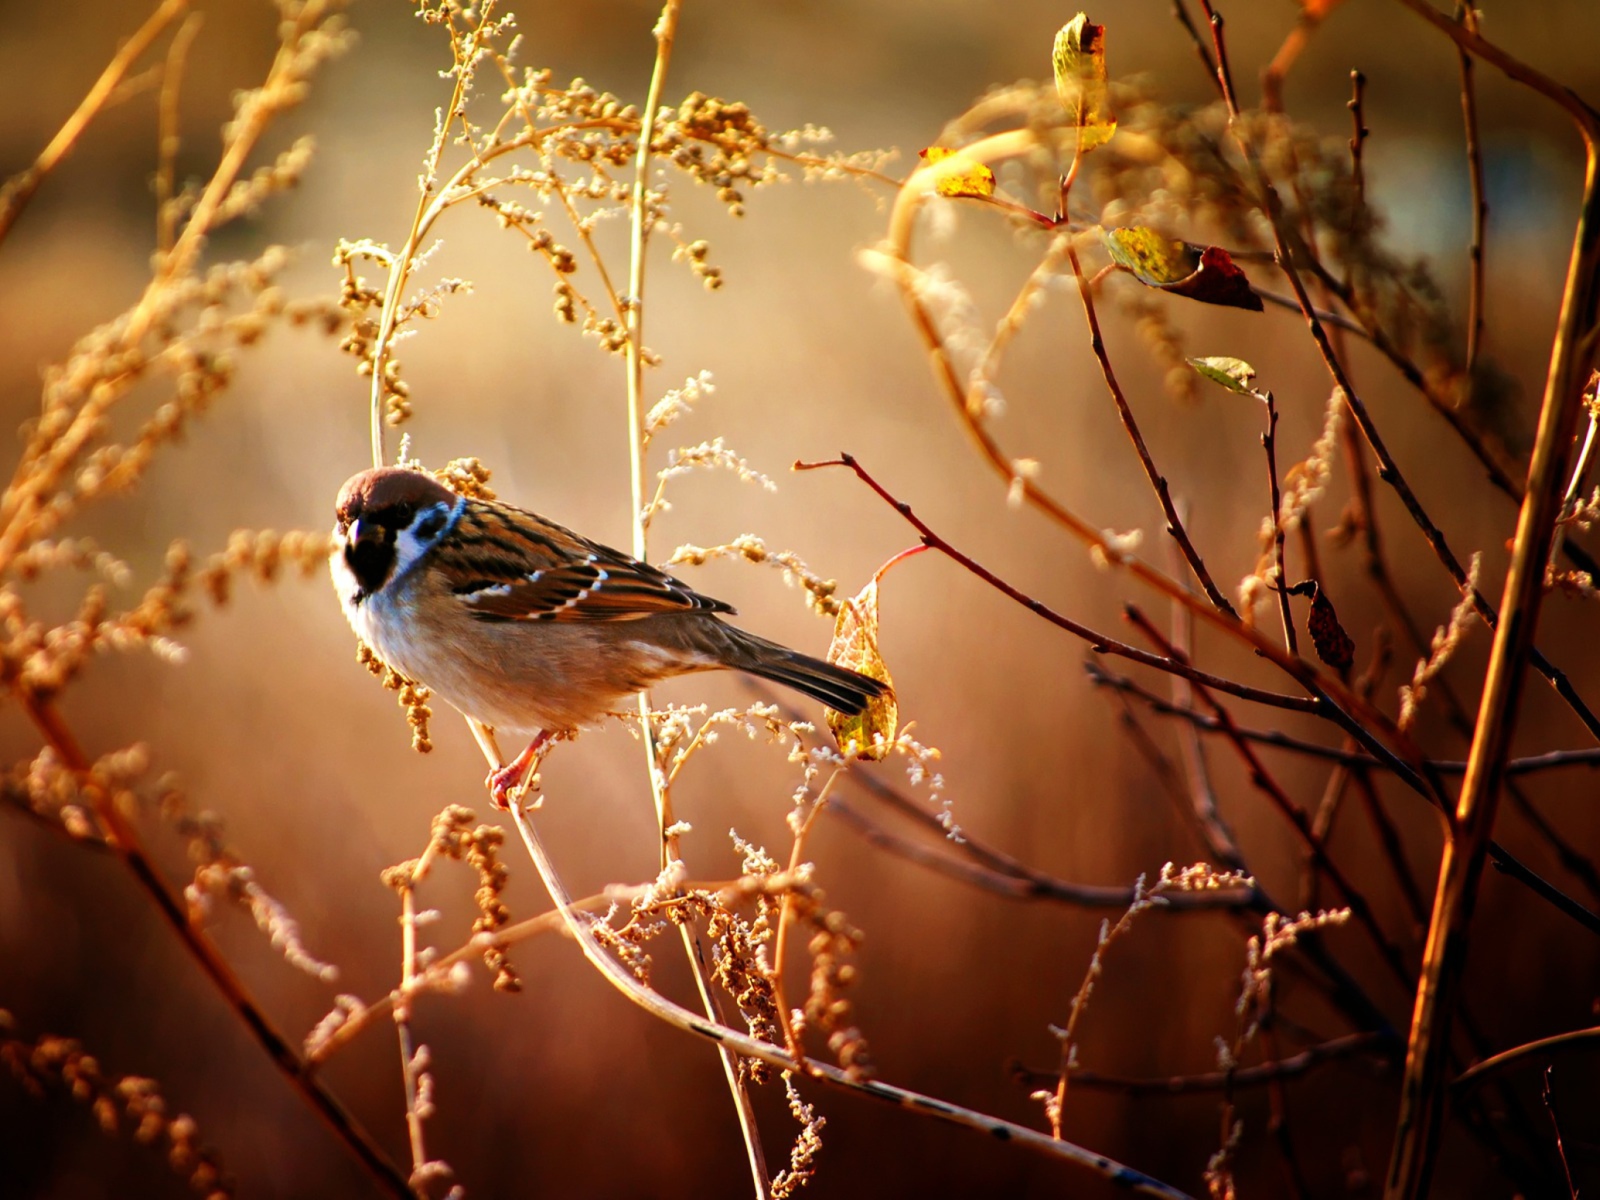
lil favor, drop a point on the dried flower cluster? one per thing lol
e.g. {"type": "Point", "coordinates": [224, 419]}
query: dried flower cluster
{"type": "Point", "coordinates": [48, 1061]}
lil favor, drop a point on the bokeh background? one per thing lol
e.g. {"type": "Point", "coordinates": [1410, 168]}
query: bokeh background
{"type": "Point", "coordinates": [566, 1089]}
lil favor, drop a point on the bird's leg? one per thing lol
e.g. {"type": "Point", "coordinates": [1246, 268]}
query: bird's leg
{"type": "Point", "coordinates": [504, 780]}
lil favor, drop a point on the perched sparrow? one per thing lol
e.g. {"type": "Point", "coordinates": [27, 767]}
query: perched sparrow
{"type": "Point", "coordinates": [524, 625]}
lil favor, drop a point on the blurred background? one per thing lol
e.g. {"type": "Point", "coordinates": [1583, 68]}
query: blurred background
{"type": "Point", "coordinates": [272, 725]}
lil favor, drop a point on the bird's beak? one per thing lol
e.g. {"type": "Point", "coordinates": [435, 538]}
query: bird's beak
{"type": "Point", "coordinates": [364, 531]}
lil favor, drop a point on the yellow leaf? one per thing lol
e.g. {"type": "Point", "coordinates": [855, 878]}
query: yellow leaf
{"type": "Point", "coordinates": [1079, 60]}
{"type": "Point", "coordinates": [870, 733]}
{"type": "Point", "coordinates": [1232, 373]}
{"type": "Point", "coordinates": [955, 174]}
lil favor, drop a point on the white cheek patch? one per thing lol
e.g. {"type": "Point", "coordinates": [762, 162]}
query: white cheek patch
{"type": "Point", "coordinates": [344, 579]}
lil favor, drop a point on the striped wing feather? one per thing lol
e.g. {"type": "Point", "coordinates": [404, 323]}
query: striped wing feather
{"type": "Point", "coordinates": [508, 565]}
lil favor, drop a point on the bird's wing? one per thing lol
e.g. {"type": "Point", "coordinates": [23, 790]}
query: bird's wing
{"type": "Point", "coordinates": [514, 566]}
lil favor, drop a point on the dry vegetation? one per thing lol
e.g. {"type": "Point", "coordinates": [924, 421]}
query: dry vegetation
{"type": "Point", "coordinates": [1329, 724]}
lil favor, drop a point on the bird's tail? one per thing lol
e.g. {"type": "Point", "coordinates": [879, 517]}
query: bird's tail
{"type": "Point", "coordinates": [839, 688]}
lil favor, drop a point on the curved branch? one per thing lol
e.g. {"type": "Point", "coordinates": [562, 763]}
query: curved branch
{"type": "Point", "coordinates": [733, 1041]}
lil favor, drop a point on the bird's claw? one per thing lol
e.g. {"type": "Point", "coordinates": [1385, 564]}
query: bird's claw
{"type": "Point", "coordinates": [519, 776]}
{"type": "Point", "coordinates": [510, 782]}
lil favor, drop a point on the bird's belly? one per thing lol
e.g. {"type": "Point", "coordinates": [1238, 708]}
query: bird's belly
{"type": "Point", "coordinates": [515, 676]}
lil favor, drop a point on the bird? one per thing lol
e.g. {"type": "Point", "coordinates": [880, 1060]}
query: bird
{"type": "Point", "coordinates": [527, 627]}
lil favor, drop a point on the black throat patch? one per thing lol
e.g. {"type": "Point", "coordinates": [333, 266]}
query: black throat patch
{"type": "Point", "coordinates": [371, 562]}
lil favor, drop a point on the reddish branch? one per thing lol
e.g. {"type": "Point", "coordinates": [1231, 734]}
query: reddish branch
{"type": "Point", "coordinates": [1319, 703]}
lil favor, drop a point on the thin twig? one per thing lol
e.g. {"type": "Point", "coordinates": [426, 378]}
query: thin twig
{"type": "Point", "coordinates": [409, 1068]}
{"type": "Point", "coordinates": [1358, 136]}
{"type": "Point", "coordinates": [1215, 1081]}
{"type": "Point", "coordinates": [1203, 52]}
{"type": "Point", "coordinates": [1555, 1124]}
{"type": "Point", "coordinates": [1468, 16]}
{"type": "Point", "coordinates": [1158, 482]}
{"type": "Point", "coordinates": [1269, 443]}
{"type": "Point", "coordinates": [1203, 808]}
{"type": "Point", "coordinates": [168, 139]}
{"type": "Point", "coordinates": [1497, 1063]}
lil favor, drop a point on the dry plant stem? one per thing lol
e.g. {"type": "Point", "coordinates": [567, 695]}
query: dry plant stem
{"type": "Point", "coordinates": [168, 137]}
{"type": "Point", "coordinates": [1393, 846]}
{"type": "Point", "coordinates": [1269, 443]}
{"type": "Point", "coordinates": [1468, 17]}
{"type": "Point", "coordinates": [1180, 12]}
{"type": "Point", "coordinates": [1417, 1136]}
{"type": "Point", "coordinates": [19, 190]}
{"type": "Point", "coordinates": [415, 1116]}
{"type": "Point", "coordinates": [1358, 135]}
{"type": "Point", "coordinates": [741, 1043]}
{"type": "Point", "coordinates": [1278, 1122]}
{"type": "Point", "coordinates": [1516, 869]}
{"type": "Point", "coordinates": [1362, 515]}
{"type": "Point", "coordinates": [665, 32]}
{"type": "Point", "coordinates": [1339, 781]}
{"type": "Point", "coordinates": [544, 923]}
{"type": "Point", "coordinates": [1197, 802]}
{"type": "Point", "coordinates": [1586, 117]}
{"type": "Point", "coordinates": [578, 225]}
{"type": "Point", "coordinates": [780, 942]}
{"type": "Point", "coordinates": [1503, 475]}
{"type": "Point", "coordinates": [1158, 481]}
{"type": "Point", "coordinates": [402, 1023]}
{"type": "Point", "coordinates": [124, 840]}
{"type": "Point", "coordinates": [53, 825]}
{"type": "Point", "coordinates": [1022, 882]}
{"type": "Point", "coordinates": [510, 935]}
{"type": "Point", "coordinates": [1580, 470]}
{"type": "Point", "coordinates": [993, 869]}
{"type": "Point", "coordinates": [1294, 44]}
{"type": "Point", "coordinates": [428, 209]}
